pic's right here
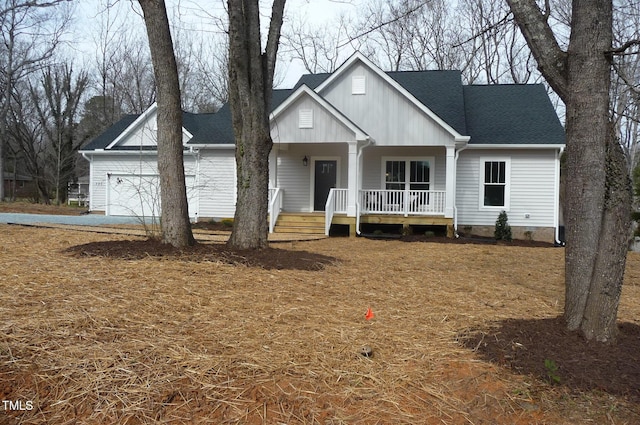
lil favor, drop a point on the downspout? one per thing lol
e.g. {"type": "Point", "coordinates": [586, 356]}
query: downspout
{"type": "Point", "coordinates": [196, 155]}
{"type": "Point", "coordinates": [369, 143]}
{"type": "Point", "coordinates": [455, 188]}
{"type": "Point", "coordinates": [556, 208]}
{"type": "Point", "coordinates": [90, 159]}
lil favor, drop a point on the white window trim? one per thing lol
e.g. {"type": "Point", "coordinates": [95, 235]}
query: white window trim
{"type": "Point", "coordinates": [507, 183]}
{"type": "Point", "coordinates": [407, 159]}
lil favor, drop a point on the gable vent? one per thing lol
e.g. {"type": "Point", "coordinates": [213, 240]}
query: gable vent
{"type": "Point", "coordinates": [305, 118]}
{"type": "Point", "coordinates": [358, 84]}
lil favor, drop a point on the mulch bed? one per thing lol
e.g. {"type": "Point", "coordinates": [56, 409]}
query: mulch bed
{"type": "Point", "coordinates": [269, 259]}
{"type": "Point", "coordinates": [105, 329]}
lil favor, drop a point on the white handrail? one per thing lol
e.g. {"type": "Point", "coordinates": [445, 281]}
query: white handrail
{"type": "Point", "coordinates": [336, 203]}
{"type": "Point", "coordinates": [329, 209]}
{"type": "Point", "coordinates": [275, 206]}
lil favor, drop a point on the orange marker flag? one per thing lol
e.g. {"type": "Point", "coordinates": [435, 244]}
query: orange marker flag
{"type": "Point", "coordinates": [369, 314]}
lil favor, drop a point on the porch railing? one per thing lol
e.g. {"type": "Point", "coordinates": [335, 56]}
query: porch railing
{"type": "Point", "coordinates": [336, 203]}
{"type": "Point", "coordinates": [275, 206]}
{"type": "Point", "coordinates": [402, 202]}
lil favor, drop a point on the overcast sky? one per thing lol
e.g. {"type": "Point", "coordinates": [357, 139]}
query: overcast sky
{"type": "Point", "coordinates": [201, 16]}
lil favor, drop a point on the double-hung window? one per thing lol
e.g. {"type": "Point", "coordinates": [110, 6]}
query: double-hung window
{"type": "Point", "coordinates": [494, 183]}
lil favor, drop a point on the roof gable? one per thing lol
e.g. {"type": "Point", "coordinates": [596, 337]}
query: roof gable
{"type": "Point", "coordinates": [334, 114]}
{"type": "Point", "coordinates": [358, 58]}
{"type": "Point", "coordinates": [111, 133]}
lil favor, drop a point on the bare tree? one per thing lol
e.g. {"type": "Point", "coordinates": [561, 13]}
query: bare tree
{"type": "Point", "coordinates": [26, 139]}
{"type": "Point", "coordinates": [250, 87]}
{"type": "Point", "coordinates": [58, 98]}
{"type": "Point", "coordinates": [176, 228]}
{"type": "Point", "coordinates": [319, 47]}
{"type": "Point", "coordinates": [598, 188]}
{"type": "Point", "coordinates": [31, 31]}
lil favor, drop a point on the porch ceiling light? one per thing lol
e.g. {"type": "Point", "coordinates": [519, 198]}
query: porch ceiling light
{"type": "Point", "coordinates": [305, 161]}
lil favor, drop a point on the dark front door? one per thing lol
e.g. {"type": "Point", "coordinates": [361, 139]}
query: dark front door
{"type": "Point", "coordinates": [325, 179]}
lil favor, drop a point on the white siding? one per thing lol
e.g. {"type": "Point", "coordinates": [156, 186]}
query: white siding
{"type": "Point", "coordinates": [145, 133]}
{"type": "Point", "coordinates": [531, 188]}
{"type": "Point", "coordinates": [295, 179]}
{"type": "Point", "coordinates": [326, 128]}
{"type": "Point", "coordinates": [384, 113]}
{"type": "Point", "coordinates": [217, 183]}
{"type": "Point", "coordinates": [132, 164]}
{"type": "Point", "coordinates": [372, 160]}
{"type": "Point", "coordinates": [105, 164]}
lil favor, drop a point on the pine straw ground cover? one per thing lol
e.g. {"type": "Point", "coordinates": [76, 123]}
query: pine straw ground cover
{"type": "Point", "coordinates": [100, 331]}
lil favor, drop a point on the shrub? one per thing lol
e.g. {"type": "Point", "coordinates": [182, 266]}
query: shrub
{"type": "Point", "coordinates": [503, 230]}
{"type": "Point", "coordinates": [227, 222]}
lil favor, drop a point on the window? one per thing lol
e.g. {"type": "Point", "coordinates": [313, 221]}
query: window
{"type": "Point", "coordinates": [305, 118]}
{"type": "Point", "coordinates": [494, 189]}
{"type": "Point", "coordinates": [399, 172]}
{"type": "Point", "coordinates": [395, 176]}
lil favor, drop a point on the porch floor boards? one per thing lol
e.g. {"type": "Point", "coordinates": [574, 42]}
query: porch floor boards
{"type": "Point", "coordinates": [313, 222]}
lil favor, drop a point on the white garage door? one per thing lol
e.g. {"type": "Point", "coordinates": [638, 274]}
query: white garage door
{"type": "Point", "coordinates": [139, 195]}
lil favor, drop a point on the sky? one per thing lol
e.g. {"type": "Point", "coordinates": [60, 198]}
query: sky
{"type": "Point", "coordinates": [202, 15]}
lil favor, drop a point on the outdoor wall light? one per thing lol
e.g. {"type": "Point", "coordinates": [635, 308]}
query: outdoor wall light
{"type": "Point", "coordinates": [305, 161]}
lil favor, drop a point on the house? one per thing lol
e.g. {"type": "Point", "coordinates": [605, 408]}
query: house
{"type": "Point", "coordinates": [361, 146]}
{"type": "Point", "coordinates": [18, 185]}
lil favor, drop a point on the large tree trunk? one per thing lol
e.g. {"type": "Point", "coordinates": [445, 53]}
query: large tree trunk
{"type": "Point", "coordinates": [598, 197]}
{"type": "Point", "coordinates": [250, 88]}
{"type": "Point", "coordinates": [176, 228]}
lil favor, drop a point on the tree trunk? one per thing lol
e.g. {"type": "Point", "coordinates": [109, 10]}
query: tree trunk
{"type": "Point", "coordinates": [250, 88]}
{"type": "Point", "coordinates": [598, 196]}
{"type": "Point", "coordinates": [176, 228]}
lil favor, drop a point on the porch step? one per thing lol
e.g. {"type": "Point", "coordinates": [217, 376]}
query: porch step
{"type": "Point", "coordinates": [308, 223]}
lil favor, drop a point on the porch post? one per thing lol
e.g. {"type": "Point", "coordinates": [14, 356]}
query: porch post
{"type": "Point", "coordinates": [352, 179]}
{"type": "Point", "coordinates": [450, 182]}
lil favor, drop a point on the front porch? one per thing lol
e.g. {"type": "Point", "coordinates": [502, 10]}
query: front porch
{"type": "Point", "coordinates": [397, 207]}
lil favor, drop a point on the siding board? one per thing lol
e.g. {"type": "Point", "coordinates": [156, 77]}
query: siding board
{"type": "Point", "coordinates": [532, 187]}
{"type": "Point", "coordinates": [384, 113]}
{"type": "Point", "coordinates": [325, 128]}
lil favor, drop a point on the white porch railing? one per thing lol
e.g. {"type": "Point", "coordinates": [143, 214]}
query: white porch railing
{"type": "Point", "coordinates": [336, 203]}
{"type": "Point", "coordinates": [275, 206]}
{"type": "Point", "coordinates": [403, 202]}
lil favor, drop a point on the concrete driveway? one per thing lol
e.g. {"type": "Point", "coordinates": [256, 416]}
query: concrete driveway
{"type": "Point", "coordinates": [76, 220]}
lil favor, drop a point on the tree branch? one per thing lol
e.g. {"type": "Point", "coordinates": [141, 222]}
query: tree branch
{"type": "Point", "coordinates": [622, 50]}
{"type": "Point", "coordinates": [484, 30]}
{"type": "Point", "coordinates": [385, 23]}
{"type": "Point", "coordinates": [552, 60]}
{"type": "Point", "coordinates": [271, 50]}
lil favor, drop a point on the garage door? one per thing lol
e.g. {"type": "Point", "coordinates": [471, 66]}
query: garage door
{"type": "Point", "coordinates": [139, 195]}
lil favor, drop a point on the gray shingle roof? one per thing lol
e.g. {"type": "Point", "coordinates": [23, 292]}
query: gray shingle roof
{"type": "Point", "coordinates": [440, 91]}
{"type": "Point", "coordinates": [489, 114]}
{"type": "Point", "coordinates": [110, 134]}
{"type": "Point", "coordinates": [511, 114]}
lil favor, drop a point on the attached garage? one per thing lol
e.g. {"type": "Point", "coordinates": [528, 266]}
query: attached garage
{"type": "Point", "coordinates": [138, 195]}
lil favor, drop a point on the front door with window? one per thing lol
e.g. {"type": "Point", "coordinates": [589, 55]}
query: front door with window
{"type": "Point", "coordinates": [326, 172]}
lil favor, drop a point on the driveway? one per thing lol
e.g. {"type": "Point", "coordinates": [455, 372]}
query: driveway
{"type": "Point", "coordinates": [94, 223]}
{"type": "Point", "coordinates": [76, 220]}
